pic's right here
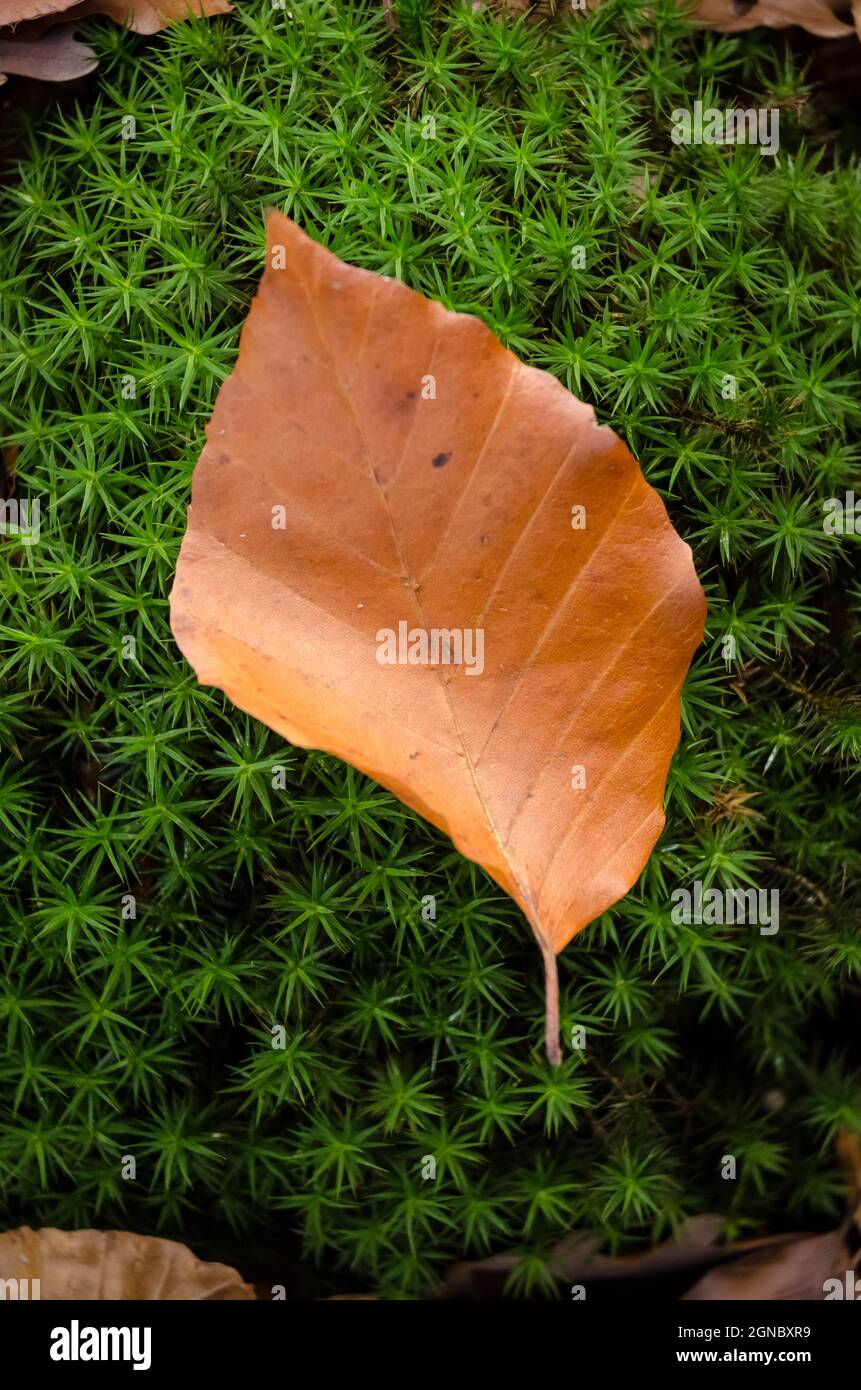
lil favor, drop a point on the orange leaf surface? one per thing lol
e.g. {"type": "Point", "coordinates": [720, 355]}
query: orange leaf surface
{"type": "Point", "coordinates": [380, 472]}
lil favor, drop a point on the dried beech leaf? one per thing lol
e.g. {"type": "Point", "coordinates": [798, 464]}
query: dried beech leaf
{"type": "Point", "coordinates": [426, 479]}
{"type": "Point", "coordinates": [37, 42]}
{"type": "Point", "coordinates": [149, 16]}
{"type": "Point", "coordinates": [797, 1270]}
{"type": "Point", "coordinates": [849, 1154]}
{"type": "Point", "coordinates": [114, 1264]}
{"type": "Point", "coordinates": [143, 16]}
{"type": "Point", "coordinates": [727, 16]}
{"type": "Point", "coordinates": [816, 16]}
{"type": "Point", "coordinates": [55, 57]}
{"type": "Point", "coordinates": [14, 11]}
{"type": "Point", "coordinates": [575, 1259]}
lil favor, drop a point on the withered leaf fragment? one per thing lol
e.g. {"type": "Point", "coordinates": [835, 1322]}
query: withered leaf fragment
{"type": "Point", "coordinates": [31, 44]}
{"type": "Point", "coordinates": [577, 1259]}
{"type": "Point", "coordinates": [808, 1267]}
{"type": "Point", "coordinates": [410, 550]}
{"type": "Point", "coordinates": [112, 1264]}
{"type": "Point", "coordinates": [52, 57]}
{"type": "Point", "coordinates": [143, 16]}
{"type": "Point", "coordinates": [816, 16]}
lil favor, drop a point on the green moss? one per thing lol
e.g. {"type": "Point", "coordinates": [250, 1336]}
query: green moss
{"type": "Point", "coordinates": [260, 905]}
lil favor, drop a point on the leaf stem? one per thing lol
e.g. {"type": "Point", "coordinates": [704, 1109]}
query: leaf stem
{"type": "Point", "coordinates": [551, 1007]}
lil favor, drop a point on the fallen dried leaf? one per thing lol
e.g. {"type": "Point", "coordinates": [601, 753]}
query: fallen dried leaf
{"type": "Point", "coordinates": [816, 16]}
{"type": "Point", "coordinates": [849, 1156]}
{"type": "Point", "coordinates": [384, 487]}
{"type": "Point", "coordinates": [113, 1264]}
{"type": "Point", "coordinates": [799, 1269]}
{"type": "Point", "coordinates": [780, 1267]}
{"type": "Point", "coordinates": [818, 1267]}
{"type": "Point", "coordinates": [143, 16]}
{"type": "Point", "coordinates": [30, 45]}
{"type": "Point", "coordinates": [577, 1260]}
{"type": "Point", "coordinates": [54, 57]}
{"type": "Point", "coordinates": [14, 11]}
{"type": "Point", "coordinates": [727, 16]}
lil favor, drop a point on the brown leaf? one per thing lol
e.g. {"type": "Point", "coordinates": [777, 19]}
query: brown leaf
{"type": "Point", "coordinates": [32, 44]}
{"type": "Point", "coordinates": [576, 1259]}
{"type": "Point", "coordinates": [727, 16]}
{"type": "Point", "coordinates": [14, 11]}
{"type": "Point", "coordinates": [426, 480]}
{"type": "Point", "coordinates": [143, 16]}
{"type": "Point", "coordinates": [113, 1264]}
{"type": "Point", "coordinates": [816, 16]}
{"type": "Point", "coordinates": [797, 1270]}
{"type": "Point", "coordinates": [54, 57]}
{"type": "Point", "coordinates": [849, 1155]}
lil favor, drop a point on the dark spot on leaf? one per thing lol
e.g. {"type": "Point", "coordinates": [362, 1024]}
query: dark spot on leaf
{"type": "Point", "coordinates": [440, 460]}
